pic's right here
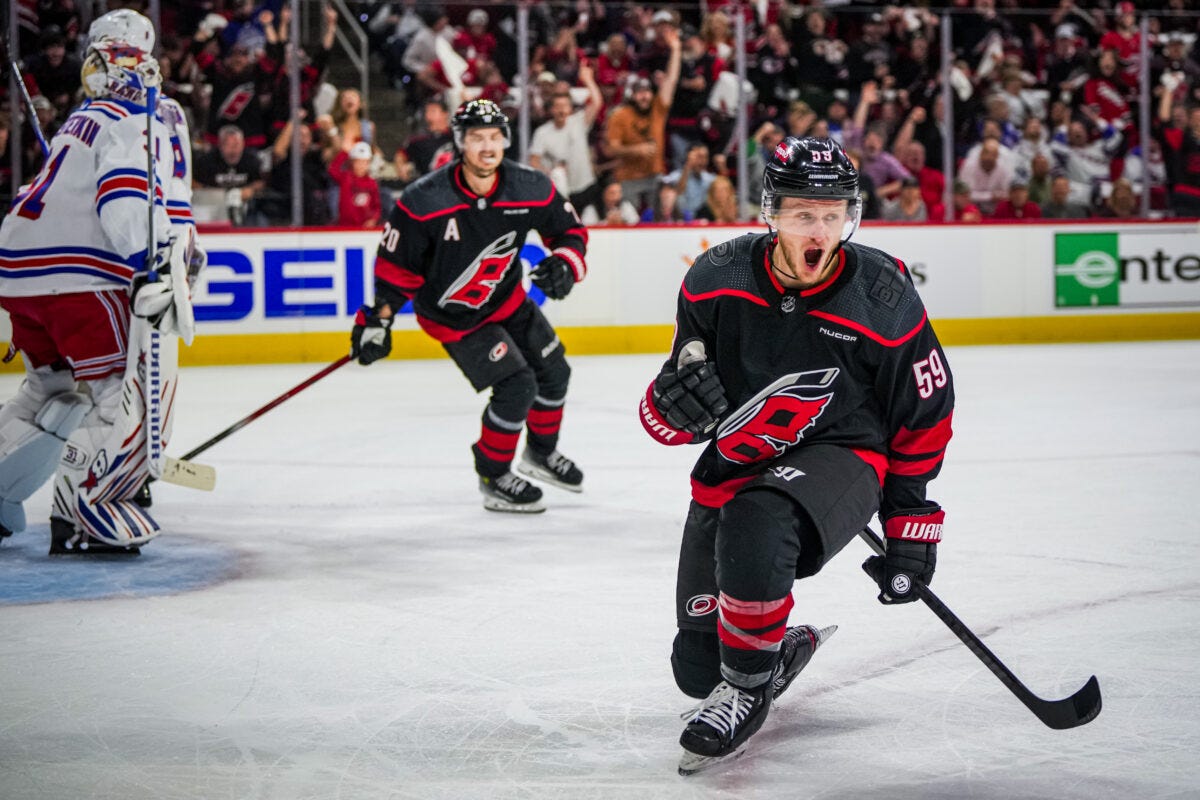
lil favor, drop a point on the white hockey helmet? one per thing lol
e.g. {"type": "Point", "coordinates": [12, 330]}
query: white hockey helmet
{"type": "Point", "coordinates": [125, 26]}
{"type": "Point", "coordinates": [119, 60]}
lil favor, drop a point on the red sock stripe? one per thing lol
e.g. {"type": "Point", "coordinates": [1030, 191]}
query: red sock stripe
{"type": "Point", "coordinates": [500, 445]}
{"type": "Point", "coordinates": [545, 422]}
{"type": "Point", "coordinates": [753, 625]}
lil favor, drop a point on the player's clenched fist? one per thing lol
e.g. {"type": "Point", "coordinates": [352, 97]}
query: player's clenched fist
{"type": "Point", "coordinates": [553, 275]}
{"type": "Point", "coordinates": [371, 338]}
{"type": "Point", "coordinates": [691, 397]}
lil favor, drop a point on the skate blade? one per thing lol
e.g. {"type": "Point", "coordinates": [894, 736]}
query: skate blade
{"type": "Point", "coordinates": [97, 551]}
{"type": "Point", "coordinates": [545, 476]}
{"type": "Point", "coordinates": [691, 763]}
{"type": "Point", "coordinates": [822, 636]}
{"type": "Point", "coordinates": [492, 504]}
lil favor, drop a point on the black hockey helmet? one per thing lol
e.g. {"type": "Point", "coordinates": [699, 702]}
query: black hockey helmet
{"type": "Point", "coordinates": [814, 169]}
{"type": "Point", "coordinates": [479, 114]}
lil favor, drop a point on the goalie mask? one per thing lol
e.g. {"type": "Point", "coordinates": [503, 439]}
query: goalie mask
{"type": "Point", "coordinates": [118, 62]}
{"type": "Point", "coordinates": [479, 114]}
{"type": "Point", "coordinates": [813, 169]}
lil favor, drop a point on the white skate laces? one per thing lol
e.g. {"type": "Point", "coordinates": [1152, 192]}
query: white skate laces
{"type": "Point", "coordinates": [512, 484]}
{"type": "Point", "coordinates": [723, 710]}
{"type": "Point", "coordinates": [559, 463]}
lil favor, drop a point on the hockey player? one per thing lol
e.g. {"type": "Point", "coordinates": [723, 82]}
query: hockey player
{"type": "Point", "coordinates": [808, 367]}
{"type": "Point", "coordinates": [86, 317]}
{"type": "Point", "coordinates": [452, 245]}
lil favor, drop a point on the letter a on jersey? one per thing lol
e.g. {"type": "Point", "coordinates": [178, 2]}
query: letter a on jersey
{"type": "Point", "coordinates": [475, 285]}
{"type": "Point", "coordinates": [776, 418]}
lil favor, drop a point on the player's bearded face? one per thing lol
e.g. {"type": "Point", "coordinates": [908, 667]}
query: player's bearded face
{"type": "Point", "coordinates": [809, 234]}
{"type": "Point", "coordinates": [483, 150]}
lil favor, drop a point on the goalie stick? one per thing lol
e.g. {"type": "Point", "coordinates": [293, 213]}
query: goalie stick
{"type": "Point", "coordinates": [1069, 712]}
{"type": "Point", "coordinates": [180, 472]}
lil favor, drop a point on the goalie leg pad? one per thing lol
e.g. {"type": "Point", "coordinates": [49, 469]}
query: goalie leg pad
{"type": "Point", "coordinates": [103, 466]}
{"type": "Point", "coordinates": [33, 427]}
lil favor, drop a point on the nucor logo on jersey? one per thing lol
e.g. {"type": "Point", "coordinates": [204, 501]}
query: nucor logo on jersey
{"type": "Point", "coordinates": [289, 282]}
{"type": "Point", "coordinates": [923, 531]}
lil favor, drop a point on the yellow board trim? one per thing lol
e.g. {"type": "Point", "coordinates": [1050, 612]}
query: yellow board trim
{"type": "Point", "coordinates": [272, 348]}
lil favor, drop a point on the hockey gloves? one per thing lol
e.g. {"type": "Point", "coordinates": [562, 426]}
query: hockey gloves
{"type": "Point", "coordinates": [163, 296]}
{"type": "Point", "coordinates": [691, 397]}
{"type": "Point", "coordinates": [371, 338]}
{"type": "Point", "coordinates": [910, 553]}
{"type": "Point", "coordinates": [554, 276]}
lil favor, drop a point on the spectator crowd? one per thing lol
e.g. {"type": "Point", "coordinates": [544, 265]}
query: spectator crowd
{"type": "Point", "coordinates": [633, 106]}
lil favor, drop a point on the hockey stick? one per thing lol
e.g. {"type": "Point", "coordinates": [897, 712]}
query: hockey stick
{"type": "Point", "coordinates": [20, 81]}
{"type": "Point", "coordinates": [246, 420]}
{"type": "Point", "coordinates": [181, 472]}
{"type": "Point", "coordinates": [1069, 712]}
{"type": "Point", "coordinates": [33, 120]}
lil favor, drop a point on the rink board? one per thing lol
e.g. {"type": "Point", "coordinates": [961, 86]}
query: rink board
{"type": "Point", "coordinates": [290, 295]}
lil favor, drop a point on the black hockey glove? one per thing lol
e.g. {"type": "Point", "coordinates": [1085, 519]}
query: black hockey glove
{"type": "Point", "coordinates": [371, 338]}
{"type": "Point", "coordinates": [691, 397]}
{"type": "Point", "coordinates": [910, 553]}
{"type": "Point", "coordinates": [553, 275]}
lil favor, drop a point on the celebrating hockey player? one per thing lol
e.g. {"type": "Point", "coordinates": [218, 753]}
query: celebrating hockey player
{"type": "Point", "coordinates": [809, 368]}
{"type": "Point", "coordinates": [95, 330]}
{"type": "Point", "coordinates": [452, 245]}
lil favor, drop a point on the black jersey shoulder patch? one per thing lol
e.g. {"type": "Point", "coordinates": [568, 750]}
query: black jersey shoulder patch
{"type": "Point", "coordinates": [881, 298]}
{"type": "Point", "coordinates": [726, 267]}
{"type": "Point", "coordinates": [524, 184]}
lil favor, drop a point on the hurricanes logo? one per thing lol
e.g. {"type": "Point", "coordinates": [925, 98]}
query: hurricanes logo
{"type": "Point", "coordinates": [701, 604]}
{"type": "Point", "coordinates": [777, 417]}
{"type": "Point", "coordinates": [476, 284]}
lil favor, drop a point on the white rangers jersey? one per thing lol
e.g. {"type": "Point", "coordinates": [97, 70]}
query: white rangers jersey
{"type": "Point", "coordinates": [81, 224]}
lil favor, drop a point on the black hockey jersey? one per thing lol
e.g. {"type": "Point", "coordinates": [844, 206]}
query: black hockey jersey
{"type": "Point", "coordinates": [457, 254]}
{"type": "Point", "coordinates": [852, 361]}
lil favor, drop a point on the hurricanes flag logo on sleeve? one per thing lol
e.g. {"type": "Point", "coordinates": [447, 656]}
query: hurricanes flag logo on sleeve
{"type": "Point", "coordinates": [476, 284]}
{"type": "Point", "coordinates": [777, 417]}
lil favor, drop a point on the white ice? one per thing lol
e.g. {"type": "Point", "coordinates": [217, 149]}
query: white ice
{"type": "Point", "coordinates": [367, 630]}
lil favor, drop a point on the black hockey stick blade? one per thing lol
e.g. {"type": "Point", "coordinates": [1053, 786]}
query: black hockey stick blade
{"type": "Point", "coordinates": [1069, 712]}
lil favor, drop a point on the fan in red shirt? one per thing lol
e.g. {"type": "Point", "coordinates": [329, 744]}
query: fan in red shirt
{"type": "Point", "coordinates": [475, 42]}
{"type": "Point", "coordinates": [933, 182]}
{"type": "Point", "coordinates": [358, 193]}
{"type": "Point", "coordinates": [1126, 41]}
{"type": "Point", "coordinates": [1106, 91]}
{"type": "Point", "coordinates": [1018, 205]}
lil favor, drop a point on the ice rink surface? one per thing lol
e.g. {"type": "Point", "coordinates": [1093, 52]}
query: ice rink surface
{"type": "Point", "coordinates": [342, 619]}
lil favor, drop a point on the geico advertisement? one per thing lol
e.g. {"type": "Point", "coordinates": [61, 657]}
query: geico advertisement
{"type": "Point", "coordinates": [314, 281]}
{"type": "Point", "coordinates": [295, 282]}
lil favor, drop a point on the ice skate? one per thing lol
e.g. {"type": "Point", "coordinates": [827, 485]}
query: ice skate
{"type": "Point", "coordinates": [718, 728]}
{"type": "Point", "coordinates": [510, 493]}
{"type": "Point", "coordinates": [799, 644]}
{"type": "Point", "coordinates": [65, 540]}
{"type": "Point", "coordinates": [554, 469]}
